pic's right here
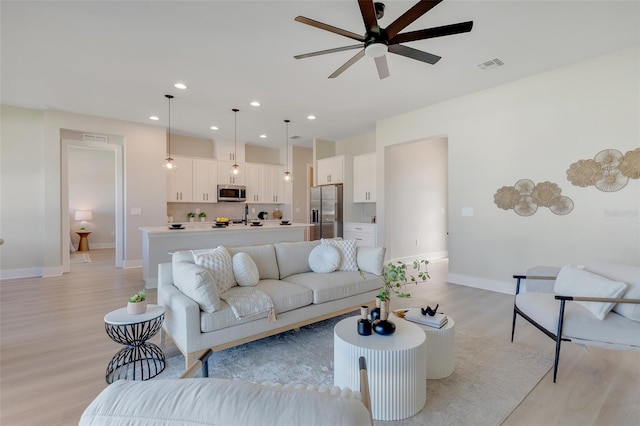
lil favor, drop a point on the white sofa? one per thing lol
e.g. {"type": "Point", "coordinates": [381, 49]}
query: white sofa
{"type": "Point", "coordinates": [300, 296]}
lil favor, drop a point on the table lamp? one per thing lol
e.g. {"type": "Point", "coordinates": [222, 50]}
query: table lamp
{"type": "Point", "coordinates": [83, 216]}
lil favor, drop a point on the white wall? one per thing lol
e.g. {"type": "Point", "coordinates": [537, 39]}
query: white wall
{"type": "Point", "coordinates": [533, 128]}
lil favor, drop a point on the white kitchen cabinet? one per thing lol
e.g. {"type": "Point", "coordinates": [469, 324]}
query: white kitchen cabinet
{"type": "Point", "coordinates": [226, 151]}
{"type": "Point", "coordinates": [363, 233]}
{"type": "Point", "coordinates": [364, 178]}
{"type": "Point", "coordinates": [264, 184]}
{"type": "Point", "coordinates": [205, 180]}
{"type": "Point", "coordinates": [224, 173]}
{"type": "Point", "coordinates": [330, 170]}
{"type": "Point", "coordinates": [180, 181]}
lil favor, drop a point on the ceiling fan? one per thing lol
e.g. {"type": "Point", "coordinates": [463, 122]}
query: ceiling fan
{"type": "Point", "coordinates": [377, 41]}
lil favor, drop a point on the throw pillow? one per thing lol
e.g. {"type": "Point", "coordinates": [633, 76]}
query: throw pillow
{"type": "Point", "coordinates": [218, 262]}
{"type": "Point", "coordinates": [572, 281]}
{"type": "Point", "coordinates": [347, 250]}
{"type": "Point", "coordinates": [324, 259]}
{"type": "Point", "coordinates": [370, 259]}
{"type": "Point", "coordinates": [197, 284]}
{"type": "Point", "coordinates": [245, 270]}
{"type": "Point", "coordinates": [628, 274]}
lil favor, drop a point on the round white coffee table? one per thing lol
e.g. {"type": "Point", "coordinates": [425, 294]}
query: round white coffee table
{"type": "Point", "coordinates": [440, 357]}
{"type": "Point", "coordinates": [395, 366]}
{"type": "Point", "coordinates": [139, 359]}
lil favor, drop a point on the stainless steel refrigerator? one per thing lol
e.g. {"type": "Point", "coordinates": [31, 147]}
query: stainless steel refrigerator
{"type": "Point", "coordinates": [326, 211]}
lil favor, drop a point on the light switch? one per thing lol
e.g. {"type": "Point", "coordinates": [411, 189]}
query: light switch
{"type": "Point", "coordinates": [467, 211]}
{"type": "Point", "coordinates": [136, 211]}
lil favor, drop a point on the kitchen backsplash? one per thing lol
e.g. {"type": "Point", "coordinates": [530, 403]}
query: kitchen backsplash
{"type": "Point", "coordinates": [230, 210]}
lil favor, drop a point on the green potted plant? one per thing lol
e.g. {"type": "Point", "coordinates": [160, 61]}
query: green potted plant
{"type": "Point", "coordinates": [137, 303]}
{"type": "Point", "coordinates": [191, 216]}
{"type": "Point", "coordinates": [395, 282]}
{"type": "Point", "coordinates": [203, 216]}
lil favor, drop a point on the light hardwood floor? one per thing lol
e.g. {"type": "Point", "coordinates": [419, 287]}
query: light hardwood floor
{"type": "Point", "coordinates": [54, 350]}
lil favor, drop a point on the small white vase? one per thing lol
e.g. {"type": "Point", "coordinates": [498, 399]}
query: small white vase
{"type": "Point", "coordinates": [136, 308]}
{"type": "Point", "coordinates": [203, 219]}
{"type": "Point", "coordinates": [191, 219]}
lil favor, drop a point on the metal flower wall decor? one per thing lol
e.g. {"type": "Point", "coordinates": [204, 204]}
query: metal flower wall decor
{"type": "Point", "coordinates": [609, 171]}
{"type": "Point", "coordinates": [525, 197]}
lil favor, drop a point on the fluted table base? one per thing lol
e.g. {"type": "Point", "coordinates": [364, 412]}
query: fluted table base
{"type": "Point", "coordinates": [440, 357]}
{"type": "Point", "coordinates": [395, 365]}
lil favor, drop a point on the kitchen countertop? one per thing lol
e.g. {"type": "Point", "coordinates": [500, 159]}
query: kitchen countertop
{"type": "Point", "coordinates": [190, 227]}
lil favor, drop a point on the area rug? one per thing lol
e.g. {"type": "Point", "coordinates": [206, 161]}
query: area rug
{"type": "Point", "coordinates": [80, 258]}
{"type": "Point", "coordinates": [490, 379]}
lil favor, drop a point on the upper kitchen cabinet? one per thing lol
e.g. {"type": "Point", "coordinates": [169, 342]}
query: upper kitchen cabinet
{"type": "Point", "coordinates": [205, 180]}
{"type": "Point", "coordinates": [264, 184]}
{"type": "Point", "coordinates": [226, 151]}
{"type": "Point", "coordinates": [224, 173]}
{"type": "Point", "coordinates": [180, 181]}
{"type": "Point", "coordinates": [364, 178]}
{"type": "Point", "coordinates": [330, 170]}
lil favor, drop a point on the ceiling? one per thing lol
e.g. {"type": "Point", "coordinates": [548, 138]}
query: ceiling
{"type": "Point", "coordinates": [118, 60]}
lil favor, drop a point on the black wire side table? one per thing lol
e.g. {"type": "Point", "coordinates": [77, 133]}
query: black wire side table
{"type": "Point", "coordinates": [139, 360]}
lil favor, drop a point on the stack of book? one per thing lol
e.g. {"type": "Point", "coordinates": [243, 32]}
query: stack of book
{"type": "Point", "coordinates": [436, 321]}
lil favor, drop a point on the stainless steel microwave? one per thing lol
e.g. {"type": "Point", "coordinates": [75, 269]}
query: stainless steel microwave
{"type": "Point", "coordinates": [235, 193]}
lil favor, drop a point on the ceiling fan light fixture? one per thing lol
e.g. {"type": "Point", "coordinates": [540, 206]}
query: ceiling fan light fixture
{"type": "Point", "coordinates": [376, 50]}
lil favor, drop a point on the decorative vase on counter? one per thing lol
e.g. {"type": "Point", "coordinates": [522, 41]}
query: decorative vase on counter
{"type": "Point", "coordinates": [136, 308]}
{"type": "Point", "coordinates": [203, 219]}
{"type": "Point", "coordinates": [375, 312]}
{"type": "Point", "coordinates": [383, 326]}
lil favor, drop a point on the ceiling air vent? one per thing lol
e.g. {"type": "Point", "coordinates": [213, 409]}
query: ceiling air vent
{"type": "Point", "coordinates": [489, 65]}
{"type": "Point", "coordinates": [87, 137]}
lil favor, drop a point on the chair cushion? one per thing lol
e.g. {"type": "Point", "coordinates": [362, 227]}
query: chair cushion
{"type": "Point", "coordinates": [218, 262]}
{"type": "Point", "coordinates": [293, 258]}
{"type": "Point", "coordinates": [347, 249]}
{"type": "Point", "coordinates": [324, 258]}
{"type": "Point", "coordinates": [627, 274]}
{"type": "Point", "coordinates": [264, 257]}
{"type": "Point", "coordinates": [572, 281]}
{"type": "Point", "coordinates": [245, 270]}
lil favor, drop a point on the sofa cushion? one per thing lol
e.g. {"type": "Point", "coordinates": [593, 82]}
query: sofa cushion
{"type": "Point", "coordinates": [627, 274]}
{"type": "Point", "coordinates": [245, 270]}
{"type": "Point", "coordinates": [370, 259]}
{"type": "Point", "coordinates": [218, 262]}
{"type": "Point", "coordinates": [337, 285]}
{"type": "Point", "coordinates": [572, 281]}
{"type": "Point", "coordinates": [293, 258]}
{"type": "Point", "coordinates": [324, 258]}
{"type": "Point", "coordinates": [225, 318]}
{"type": "Point", "coordinates": [196, 283]}
{"type": "Point", "coordinates": [183, 256]}
{"type": "Point", "coordinates": [264, 257]}
{"type": "Point", "coordinates": [347, 249]}
{"type": "Point", "coordinates": [286, 296]}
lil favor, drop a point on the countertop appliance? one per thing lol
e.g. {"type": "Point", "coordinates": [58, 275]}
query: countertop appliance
{"type": "Point", "coordinates": [326, 211]}
{"type": "Point", "coordinates": [234, 193]}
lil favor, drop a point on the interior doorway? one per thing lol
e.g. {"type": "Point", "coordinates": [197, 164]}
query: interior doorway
{"type": "Point", "coordinates": [72, 141]}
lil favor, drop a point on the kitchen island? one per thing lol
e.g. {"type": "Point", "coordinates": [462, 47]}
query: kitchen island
{"type": "Point", "coordinates": [158, 242]}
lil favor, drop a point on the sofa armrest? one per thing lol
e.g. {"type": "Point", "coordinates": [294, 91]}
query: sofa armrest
{"type": "Point", "coordinates": [596, 299]}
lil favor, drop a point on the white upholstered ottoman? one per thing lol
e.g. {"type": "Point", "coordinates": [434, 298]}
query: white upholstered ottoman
{"type": "Point", "coordinates": [440, 356]}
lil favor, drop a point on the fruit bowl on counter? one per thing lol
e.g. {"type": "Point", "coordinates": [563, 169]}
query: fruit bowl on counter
{"type": "Point", "coordinates": [221, 222]}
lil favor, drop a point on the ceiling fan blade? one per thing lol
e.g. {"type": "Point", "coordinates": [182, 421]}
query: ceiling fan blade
{"type": "Point", "coordinates": [369, 15]}
{"type": "Point", "coordinates": [382, 66]}
{"type": "Point", "coordinates": [412, 53]}
{"type": "Point", "coordinates": [419, 9]}
{"type": "Point", "coordinates": [445, 30]}
{"type": "Point", "coordinates": [329, 28]}
{"type": "Point", "coordinates": [324, 52]}
{"type": "Point", "coordinates": [347, 64]}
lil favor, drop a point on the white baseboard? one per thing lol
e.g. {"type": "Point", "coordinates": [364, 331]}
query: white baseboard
{"type": "Point", "coordinates": [136, 263]}
{"type": "Point", "coordinates": [481, 283]}
{"type": "Point", "coordinates": [428, 256]}
{"type": "Point", "coordinates": [97, 246]}
{"type": "Point", "coordinates": [8, 274]}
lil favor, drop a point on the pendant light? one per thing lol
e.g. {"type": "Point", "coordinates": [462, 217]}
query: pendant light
{"type": "Point", "coordinates": [287, 176]}
{"type": "Point", "coordinates": [169, 164]}
{"type": "Point", "coordinates": [235, 169]}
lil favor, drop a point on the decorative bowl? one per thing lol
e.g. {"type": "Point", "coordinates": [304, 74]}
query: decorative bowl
{"type": "Point", "coordinates": [284, 222]}
{"type": "Point", "coordinates": [255, 222]}
{"type": "Point", "coordinates": [176, 225]}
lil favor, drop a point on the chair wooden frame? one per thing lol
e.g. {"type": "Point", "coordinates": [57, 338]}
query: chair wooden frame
{"type": "Point", "coordinates": [557, 337]}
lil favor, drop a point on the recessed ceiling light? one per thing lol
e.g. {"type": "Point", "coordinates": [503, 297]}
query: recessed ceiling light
{"type": "Point", "coordinates": [263, 136]}
{"type": "Point", "coordinates": [311, 117]}
{"type": "Point", "coordinates": [180, 86]}
{"type": "Point", "coordinates": [214, 127]}
{"type": "Point", "coordinates": [255, 103]}
{"type": "Point", "coordinates": [154, 118]}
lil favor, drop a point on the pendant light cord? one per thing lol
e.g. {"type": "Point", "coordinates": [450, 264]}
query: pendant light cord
{"type": "Point", "coordinates": [287, 142]}
{"type": "Point", "coordinates": [235, 135]}
{"type": "Point", "coordinates": [169, 97]}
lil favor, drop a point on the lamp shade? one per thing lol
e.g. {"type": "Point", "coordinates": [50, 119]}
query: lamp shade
{"type": "Point", "coordinates": [84, 215]}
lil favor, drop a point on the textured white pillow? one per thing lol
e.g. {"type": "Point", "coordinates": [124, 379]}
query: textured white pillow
{"type": "Point", "coordinates": [347, 250]}
{"type": "Point", "coordinates": [218, 262]}
{"type": "Point", "coordinates": [628, 274]}
{"type": "Point", "coordinates": [245, 270]}
{"type": "Point", "coordinates": [324, 259]}
{"type": "Point", "coordinates": [572, 281]}
{"type": "Point", "coordinates": [370, 259]}
{"type": "Point", "coordinates": [197, 284]}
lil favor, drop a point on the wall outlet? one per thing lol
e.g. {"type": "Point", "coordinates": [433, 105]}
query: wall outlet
{"type": "Point", "coordinates": [136, 211]}
{"type": "Point", "coordinates": [253, 209]}
{"type": "Point", "coordinates": [417, 241]}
